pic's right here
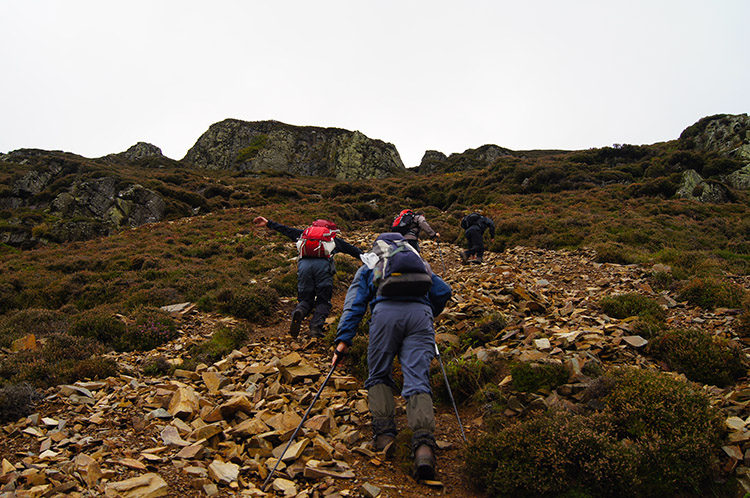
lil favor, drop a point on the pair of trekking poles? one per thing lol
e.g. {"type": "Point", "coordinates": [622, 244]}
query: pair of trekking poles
{"type": "Point", "coordinates": [338, 356]}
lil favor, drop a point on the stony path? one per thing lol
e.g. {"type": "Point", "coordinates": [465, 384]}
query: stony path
{"type": "Point", "coordinates": [214, 431]}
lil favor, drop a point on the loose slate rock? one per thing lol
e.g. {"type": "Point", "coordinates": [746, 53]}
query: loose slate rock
{"type": "Point", "coordinates": [146, 486]}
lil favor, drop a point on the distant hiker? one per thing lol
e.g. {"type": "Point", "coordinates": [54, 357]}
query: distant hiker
{"type": "Point", "coordinates": [409, 224]}
{"type": "Point", "coordinates": [404, 296]}
{"type": "Point", "coordinates": [316, 246]}
{"type": "Point", "coordinates": [474, 225]}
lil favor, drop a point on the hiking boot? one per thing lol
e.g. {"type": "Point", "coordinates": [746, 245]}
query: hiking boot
{"type": "Point", "coordinates": [424, 463]}
{"type": "Point", "coordinates": [296, 323]}
{"type": "Point", "coordinates": [464, 257]}
{"type": "Point", "coordinates": [478, 260]}
{"type": "Point", "coordinates": [316, 332]}
{"type": "Point", "coordinates": [384, 443]}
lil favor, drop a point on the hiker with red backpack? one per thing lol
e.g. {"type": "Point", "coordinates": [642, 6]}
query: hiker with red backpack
{"type": "Point", "coordinates": [404, 296]}
{"type": "Point", "coordinates": [474, 226]}
{"type": "Point", "coordinates": [316, 246]}
{"type": "Point", "coordinates": [409, 224]}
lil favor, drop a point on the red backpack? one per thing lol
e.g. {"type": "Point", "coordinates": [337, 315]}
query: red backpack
{"type": "Point", "coordinates": [317, 240]}
{"type": "Point", "coordinates": [404, 222]}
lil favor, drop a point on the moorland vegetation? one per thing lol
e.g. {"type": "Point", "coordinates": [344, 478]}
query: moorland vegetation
{"type": "Point", "coordinates": [83, 298]}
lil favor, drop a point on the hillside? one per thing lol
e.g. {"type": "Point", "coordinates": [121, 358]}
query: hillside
{"type": "Point", "coordinates": [93, 434]}
{"type": "Point", "coordinates": [601, 350]}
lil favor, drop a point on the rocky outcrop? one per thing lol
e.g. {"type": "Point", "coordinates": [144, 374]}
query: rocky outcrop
{"type": "Point", "coordinates": [727, 134]}
{"type": "Point", "coordinates": [740, 179]}
{"type": "Point", "coordinates": [431, 161]}
{"type": "Point", "coordinates": [88, 208]}
{"type": "Point", "coordinates": [434, 161]}
{"type": "Point", "coordinates": [310, 151]}
{"type": "Point", "coordinates": [694, 187]}
{"type": "Point", "coordinates": [100, 199]}
{"type": "Point", "coordinates": [141, 150]}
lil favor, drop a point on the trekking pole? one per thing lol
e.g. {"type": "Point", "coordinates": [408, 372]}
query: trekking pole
{"type": "Point", "coordinates": [441, 256]}
{"type": "Point", "coordinates": [338, 355]}
{"type": "Point", "coordinates": [450, 394]}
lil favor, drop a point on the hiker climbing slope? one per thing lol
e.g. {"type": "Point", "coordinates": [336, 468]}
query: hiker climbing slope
{"type": "Point", "coordinates": [315, 269]}
{"type": "Point", "coordinates": [474, 225]}
{"type": "Point", "coordinates": [404, 296]}
{"type": "Point", "coordinates": [410, 224]}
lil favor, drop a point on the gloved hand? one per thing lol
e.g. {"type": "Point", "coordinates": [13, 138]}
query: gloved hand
{"type": "Point", "coordinates": [339, 354]}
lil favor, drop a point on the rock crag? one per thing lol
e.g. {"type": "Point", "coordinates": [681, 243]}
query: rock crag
{"type": "Point", "coordinates": [300, 150]}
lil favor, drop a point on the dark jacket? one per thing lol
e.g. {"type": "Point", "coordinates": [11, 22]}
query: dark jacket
{"type": "Point", "coordinates": [483, 224]}
{"type": "Point", "coordinates": [294, 234]}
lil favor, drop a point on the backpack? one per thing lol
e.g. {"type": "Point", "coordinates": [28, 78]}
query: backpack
{"type": "Point", "coordinates": [400, 270]}
{"type": "Point", "coordinates": [404, 222]}
{"type": "Point", "coordinates": [470, 219]}
{"type": "Point", "coordinates": [325, 223]}
{"type": "Point", "coordinates": [317, 240]}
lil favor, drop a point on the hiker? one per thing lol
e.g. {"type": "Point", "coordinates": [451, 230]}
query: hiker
{"type": "Point", "coordinates": [315, 270]}
{"type": "Point", "coordinates": [474, 225]}
{"type": "Point", "coordinates": [409, 224]}
{"type": "Point", "coordinates": [402, 312]}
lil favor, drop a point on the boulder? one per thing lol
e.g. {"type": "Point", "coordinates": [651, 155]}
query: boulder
{"type": "Point", "coordinates": [740, 179]}
{"type": "Point", "coordinates": [694, 187]}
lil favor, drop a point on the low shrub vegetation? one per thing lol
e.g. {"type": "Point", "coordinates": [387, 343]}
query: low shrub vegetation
{"type": "Point", "coordinates": [223, 341]}
{"type": "Point", "coordinates": [60, 359]}
{"type": "Point", "coordinates": [17, 401]}
{"type": "Point", "coordinates": [655, 436]}
{"type": "Point", "coordinates": [709, 293]}
{"type": "Point", "coordinates": [466, 376]}
{"type": "Point", "coordinates": [632, 304]}
{"type": "Point", "coordinates": [150, 328]}
{"type": "Point", "coordinates": [39, 322]}
{"type": "Point", "coordinates": [701, 357]}
{"type": "Point", "coordinates": [538, 377]}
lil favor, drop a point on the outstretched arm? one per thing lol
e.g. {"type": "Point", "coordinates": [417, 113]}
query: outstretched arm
{"type": "Point", "coordinates": [347, 248]}
{"type": "Point", "coordinates": [292, 233]}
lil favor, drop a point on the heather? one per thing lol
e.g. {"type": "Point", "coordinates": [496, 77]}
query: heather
{"type": "Point", "coordinates": [652, 436]}
{"type": "Point", "coordinates": [640, 432]}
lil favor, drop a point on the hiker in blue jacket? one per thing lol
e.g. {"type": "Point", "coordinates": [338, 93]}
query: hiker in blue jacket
{"type": "Point", "coordinates": [399, 326]}
{"type": "Point", "coordinates": [314, 279]}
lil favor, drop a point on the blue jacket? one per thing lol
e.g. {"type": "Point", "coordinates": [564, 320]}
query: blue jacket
{"type": "Point", "coordinates": [362, 293]}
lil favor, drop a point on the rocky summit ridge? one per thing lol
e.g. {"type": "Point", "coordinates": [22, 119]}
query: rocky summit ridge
{"type": "Point", "coordinates": [217, 430]}
{"type": "Point", "coordinates": [300, 150]}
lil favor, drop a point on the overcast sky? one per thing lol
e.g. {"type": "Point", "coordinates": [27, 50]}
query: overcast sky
{"type": "Point", "coordinates": [94, 77]}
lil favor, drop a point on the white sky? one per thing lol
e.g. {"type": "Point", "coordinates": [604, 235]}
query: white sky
{"type": "Point", "coordinates": [94, 77]}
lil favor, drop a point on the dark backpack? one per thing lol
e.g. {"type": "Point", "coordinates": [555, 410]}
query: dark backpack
{"type": "Point", "coordinates": [317, 240]}
{"type": "Point", "coordinates": [470, 219]}
{"type": "Point", "coordinates": [400, 270]}
{"type": "Point", "coordinates": [404, 222]}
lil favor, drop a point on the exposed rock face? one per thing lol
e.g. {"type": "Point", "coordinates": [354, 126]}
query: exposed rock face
{"type": "Point", "coordinates": [694, 187]}
{"type": "Point", "coordinates": [740, 179]}
{"type": "Point", "coordinates": [138, 151]}
{"type": "Point", "coordinates": [99, 199]}
{"type": "Point", "coordinates": [88, 208]}
{"type": "Point", "coordinates": [726, 134]}
{"type": "Point", "coordinates": [485, 155]}
{"type": "Point", "coordinates": [311, 151]}
{"type": "Point", "coordinates": [431, 161]}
